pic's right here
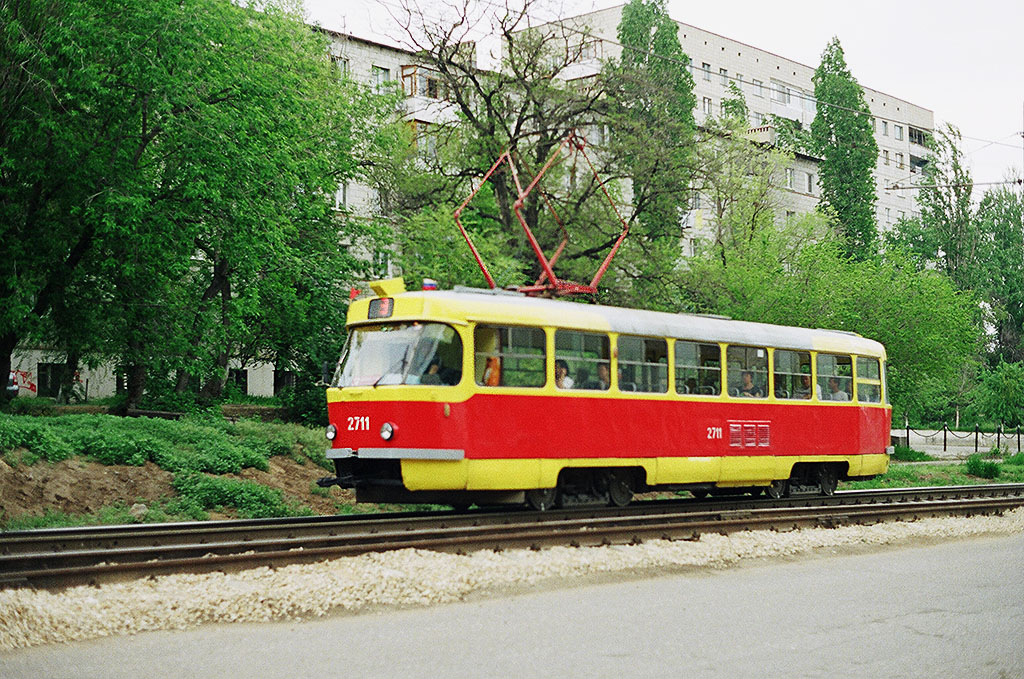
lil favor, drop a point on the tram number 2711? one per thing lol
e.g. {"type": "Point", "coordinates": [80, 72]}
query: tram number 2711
{"type": "Point", "coordinates": [714, 433]}
{"type": "Point", "coordinates": [361, 423]}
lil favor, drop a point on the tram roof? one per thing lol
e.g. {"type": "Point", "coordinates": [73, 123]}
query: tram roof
{"type": "Point", "coordinates": [503, 307]}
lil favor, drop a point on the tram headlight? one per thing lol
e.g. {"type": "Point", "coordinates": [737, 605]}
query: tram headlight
{"type": "Point", "coordinates": [387, 431]}
{"type": "Point", "coordinates": [331, 432]}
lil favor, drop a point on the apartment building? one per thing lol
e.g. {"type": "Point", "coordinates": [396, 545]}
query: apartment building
{"type": "Point", "coordinates": [775, 85]}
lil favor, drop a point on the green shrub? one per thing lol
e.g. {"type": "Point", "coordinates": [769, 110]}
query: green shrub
{"type": "Point", "coordinates": [197, 443]}
{"type": "Point", "coordinates": [908, 454]}
{"type": "Point", "coordinates": [251, 500]}
{"type": "Point", "coordinates": [37, 406]}
{"type": "Point", "coordinates": [1017, 459]}
{"type": "Point", "coordinates": [976, 466]}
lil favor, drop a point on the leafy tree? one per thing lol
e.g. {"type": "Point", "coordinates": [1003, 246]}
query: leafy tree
{"type": "Point", "coordinates": [168, 171]}
{"type": "Point", "coordinates": [738, 178]}
{"type": "Point", "coordinates": [796, 274]}
{"type": "Point", "coordinates": [1000, 395]}
{"type": "Point", "coordinates": [946, 235]}
{"type": "Point", "coordinates": [842, 138]}
{"type": "Point", "coordinates": [1000, 221]}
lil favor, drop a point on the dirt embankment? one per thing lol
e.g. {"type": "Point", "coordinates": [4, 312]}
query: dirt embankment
{"type": "Point", "coordinates": [77, 486]}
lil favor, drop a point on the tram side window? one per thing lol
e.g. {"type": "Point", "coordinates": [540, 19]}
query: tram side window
{"type": "Point", "coordinates": [511, 356]}
{"type": "Point", "coordinates": [747, 371]}
{"type": "Point", "coordinates": [587, 355]}
{"type": "Point", "coordinates": [792, 374]}
{"type": "Point", "coordinates": [835, 377]}
{"type": "Point", "coordinates": [643, 364]}
{"type": "Point", "coordinates": [698, 368]}
{"type": "Point", "coordinates": [869, 380]}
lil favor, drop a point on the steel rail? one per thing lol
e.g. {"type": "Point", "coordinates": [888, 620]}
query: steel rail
{"type": "Point", "coordinates": [117, 552]}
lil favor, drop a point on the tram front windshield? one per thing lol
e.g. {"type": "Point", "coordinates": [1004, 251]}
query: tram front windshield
{"type": "Point", "coordinates": [400, 353]}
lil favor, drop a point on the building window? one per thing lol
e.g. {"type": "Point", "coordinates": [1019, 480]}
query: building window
{"type": "Point", "coordinates": [340, 66]}
{"type": "Point", "coordinates": [591, 50]}
{"type": "Point", "coordinates": [707, 105]}
{"type": "Point", "coordinates": [888, 215]}
{"type": "Point", "coordinates": [341, 196]}
{"type": "Point", "coordinates": [810, 183]}
{"type": "Point", "coordinates": [780, 93]}
{"type": "Point", "coordinates": [885, 128]}
{"type": "Point", "coordinates": [48, 376]}
{"type": "Point", "coordinates": [379, 77]}
{"type": "Point", "coordinates": [758, 88]}
{"type": "Point", "coordinates": [885, 156]}
{"type": "Point", "coordinates": [723, 75]}
{"type": "Point", "coordinates": [239, 378]}
{"type": "Point", "coordinates": [739, 79]}
{"type": "Point", "coordinates": [706, 67]}
{"type": "Point", "coordinates": [916, 136]}
{"type": "Point", "coordinates": [897, 131]}
{"type": "Point", "coordinates": [790, 181]}
{"type": "Point", "coordinates": [874, 125]}
{"type": "Point", "coordinates": [899, 160]}
{"type": "Point", "coordinates": [283, 379]}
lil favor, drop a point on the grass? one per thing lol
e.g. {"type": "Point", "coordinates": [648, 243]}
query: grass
{"type": "Point", "coordinates": [908, 454]}
{"type": "Point", "coordinates": [966, 473]}
{"type": "Point", "coordinates": [160, 511]}
{"type": "Point", "coordinates": [197, 443]}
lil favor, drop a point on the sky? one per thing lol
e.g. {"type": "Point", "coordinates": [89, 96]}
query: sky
{"type": "Point", "coordinates": [962, 60]}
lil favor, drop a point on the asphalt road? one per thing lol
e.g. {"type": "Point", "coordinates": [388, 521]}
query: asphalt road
{"type": "Point", "coordinates": [954, 609]}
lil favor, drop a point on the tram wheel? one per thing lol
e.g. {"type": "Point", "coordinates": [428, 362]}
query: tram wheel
{"type": "Point", "coordinates": [699, 493]}
{"type": "Point", "coordinates": [620, 490]}
{"type": "Point", "coordinates": [828, 479]}
{"type": "Point", "coordinates": [542, 499]}
{"type": "Point", "coordinates": [778, 489]}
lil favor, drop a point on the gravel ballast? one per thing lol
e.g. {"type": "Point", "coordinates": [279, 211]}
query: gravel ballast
{"type": "Point", "coordinates": [412, 577]}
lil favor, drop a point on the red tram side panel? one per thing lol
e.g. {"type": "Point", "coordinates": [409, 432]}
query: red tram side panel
{"type": "Point", "coordinates": [491, 426]}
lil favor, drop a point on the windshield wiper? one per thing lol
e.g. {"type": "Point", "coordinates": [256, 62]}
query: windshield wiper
{"type": "Point", "coordinates": [400, 365]}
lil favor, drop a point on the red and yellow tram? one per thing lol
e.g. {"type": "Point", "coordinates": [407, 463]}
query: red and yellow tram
{"type": "Point", "coordinates": [484, 396]}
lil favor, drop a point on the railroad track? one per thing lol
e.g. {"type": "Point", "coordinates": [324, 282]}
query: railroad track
{"type": "Point", "coordinates": [71, 556]}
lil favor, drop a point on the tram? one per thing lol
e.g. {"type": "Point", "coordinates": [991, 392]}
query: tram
{"type": "Point", "coordinates": [492, 397]}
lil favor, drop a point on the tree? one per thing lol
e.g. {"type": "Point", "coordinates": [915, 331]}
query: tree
{"type": "Point", "coordinates": [739, 179]}
{"type": "Point", "coordinates": [1000, 395]}
{"type": "Point", "coordinates": [1000, 222]}
{"type": "Point", "coordinates": [795, 274]}
{"type": "Point", "coordinates": [650, 105]}
{"type": "Point", "coordinates": [636, 116]}
{"type": "Point", "coordinates": [842, 138]}
{"type": "Point", "coordinates": [168, 168]}
{"type": "Point", "coordinates": [946, 235]}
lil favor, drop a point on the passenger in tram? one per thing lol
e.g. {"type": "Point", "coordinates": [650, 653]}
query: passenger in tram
{"type": "Point", "coordinates": [604, 376]}
{"type": "Point", "coordinates": [805, 388]}
{"type": "Point", "coordinates": [835, 393]}
{"type": "Point", "coordinates": [432, 375]}
{"type": "Point", "coordinates": [562, 379]}
{"type": "Point", "coordinates": [747, 386]}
